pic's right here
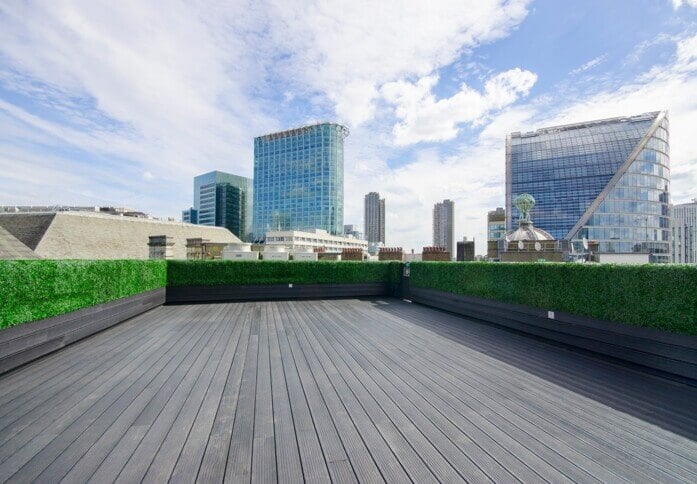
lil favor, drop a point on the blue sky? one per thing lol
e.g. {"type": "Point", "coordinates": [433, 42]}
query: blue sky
{"type": "Point", "coordinates": [122, 103]}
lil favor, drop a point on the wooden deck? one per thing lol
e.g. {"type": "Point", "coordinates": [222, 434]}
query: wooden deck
{"type": "Point", "coordinates": [336, 390]}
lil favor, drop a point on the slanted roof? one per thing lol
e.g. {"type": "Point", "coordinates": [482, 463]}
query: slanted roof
{"type": "Point", "coordinates": [12, 248]}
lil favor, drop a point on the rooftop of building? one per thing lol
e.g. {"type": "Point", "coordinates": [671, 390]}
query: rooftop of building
{"type": "Point", "coordinates": [586, 124]}
{"type": "Point", "coordinates": [303, 129]}
{"type": "Point", "coordinates": [367, 390]}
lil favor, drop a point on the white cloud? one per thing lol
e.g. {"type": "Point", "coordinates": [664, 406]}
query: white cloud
{"type": "Point", "coordinates": [590, 64]}
{"type": "Point", "coordinates": [679, 3]}
{"type": "Point", "coordinates": [423, 118]}
{"type": "Point", "coordinates": [347, 50]}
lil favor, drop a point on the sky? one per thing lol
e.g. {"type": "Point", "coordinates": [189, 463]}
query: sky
{"type": "Point", "coordinates": [123, 103]}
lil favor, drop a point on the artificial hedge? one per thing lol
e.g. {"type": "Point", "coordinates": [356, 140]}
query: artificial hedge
{"type": "Point", "coordinates": [215, 273]}
{"type": "Point", "coordinates": [35, 289]}
{"type": "Point", "coordinates": [660, 296]}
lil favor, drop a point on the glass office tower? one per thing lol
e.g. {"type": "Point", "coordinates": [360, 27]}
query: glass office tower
{"type": "Point", "coordinates": [222, 200]}
{"type": "Point", "coordinates": [299, 180]}
{"type": "Point", "coordinates": [606, 180]}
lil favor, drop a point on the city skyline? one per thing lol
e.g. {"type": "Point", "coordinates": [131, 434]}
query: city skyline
{"type": "Point", "coordinates": [132, 127]}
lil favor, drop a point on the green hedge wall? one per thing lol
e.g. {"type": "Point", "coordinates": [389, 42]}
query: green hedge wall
{"type": "Point", "coordinates": [213, 273]}
{"type": "Point", "coordinates": [660, 296]}
{"type": "Point", "coordinates": [37, 289]}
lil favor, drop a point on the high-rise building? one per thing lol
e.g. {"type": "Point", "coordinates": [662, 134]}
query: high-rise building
{"type": "Point", "coordinates": [607, 181]}
{"type": "Point", "coordinates": [299, 180]}
{"type": "Point", "coordinates": [374, 218]}
{"type": "Point", "coordinates": [465, 250]}
{"type": "Point", "coordinates": [444, 225]}
{"type": "Point", "coordinates": [685, 233]}
{"type": "Point", "coordinates": [222, 200]}
{"type": "Point", "coordinates": [496, 229]}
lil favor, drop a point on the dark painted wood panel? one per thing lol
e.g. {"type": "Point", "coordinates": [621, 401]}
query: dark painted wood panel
{"type": "Point", "coordinates": [272, 292]}
{"type": "Point", "coordinates": [26, 342]}
{"type": "Point", "coordinates": [658, 350]}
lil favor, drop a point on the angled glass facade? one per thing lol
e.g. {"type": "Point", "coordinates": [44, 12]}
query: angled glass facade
{"type": "Point", "coordinates": [605, 180]}
{"type": "Point", "coordinates": [299, 180]}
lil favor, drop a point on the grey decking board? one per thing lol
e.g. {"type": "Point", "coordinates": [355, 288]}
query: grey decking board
{"type": "Point", "coordinates": [184, 403]}
{"type": "Point", "coordinates": [263, 445]}
{"type": "Point", "coordinates": [214, 459]}
{"type": "Point", "coordinates": [580, 376]}
{"type": "Point", "coordinates": [187, 465]}
{"type": "Point", "coordinates": [239, 461]}
{"type": "Point", "coordinates": [54, 415]}
{"type": "Point", "coordinates": [468, 412]}
{"type": "Point", "coordinates": [360, 457]}
{"type": "Point", "coordinates": [447, 447]}
{"type": "Point", "coordinates": [628, 429]}
{"type": "Point", "coordinates": [220, 361]}
{"type": "Point", "coordinates": [64, 383]}
{"type": "Point", "coordinates": [112, 449]}
{"type": "Point", "coordinates": [89, 428]}
{"type": "Point", "coordinates": [312, 458]}
{"type": "Point", "coordinates": [387, 381]}
{"type": "Point", "coordinates": [22, 379]}
{"type": "Point", "coordinates": [494, 429]}
{"type": "Point", "coordinates": [448, 323]}
{"type": "Point", "coordinates": [389, 466]}
{"type": "Point", "coordinates": [594, 448]}
{"type": "Point", "coordinates": [401, 447]}
{"type": "Point", "coordinates": [160, 418]}
{"type": "Point", "coordinates": [332, 446]}
{"type": "Point", "coordinates": [449, 422]}
{"type": "Point", "coordinates": [57, 419]}
{"type": "Point", "coordinates": [288, 462]}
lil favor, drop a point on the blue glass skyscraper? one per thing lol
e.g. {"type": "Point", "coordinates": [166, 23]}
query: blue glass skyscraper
{"type": "Point", "coordinates": [299, 180]}
{"type": "Point", "coordinates": [605, 180]}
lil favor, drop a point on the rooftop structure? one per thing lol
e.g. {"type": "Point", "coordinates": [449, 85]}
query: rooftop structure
{"type": "Point", "coordinates": [84, 235]}
{"type": "Point", "coordinates": [606, 180]}
{"type": "Point", "coordinates": [299, 180]}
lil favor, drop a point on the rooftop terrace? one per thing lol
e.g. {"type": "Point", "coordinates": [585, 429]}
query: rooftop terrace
{"type": "Point", "coordinates": [337, 390]}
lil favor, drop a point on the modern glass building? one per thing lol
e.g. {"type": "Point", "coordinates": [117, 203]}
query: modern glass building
{"type": "Point", "coordinates": [222, 200]}
{"type": "Point", "coordinates": [190, 216]}
{"type": "Point", "coordinates": [299, 180]}
{"type": "Point", "coordinates": [605, 180]}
